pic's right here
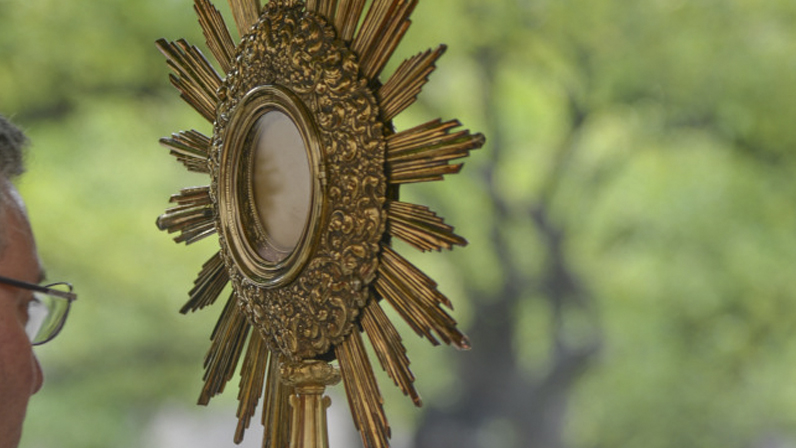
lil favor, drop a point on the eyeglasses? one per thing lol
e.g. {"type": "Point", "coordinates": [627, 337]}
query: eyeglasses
{"type": "Point", "coordinates": [47, 311]}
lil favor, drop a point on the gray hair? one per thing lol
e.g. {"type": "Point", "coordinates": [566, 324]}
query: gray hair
{"type": "Point", "coordinates": [12, 148]}
{"type": "Point", "coordinates": [12, 145]}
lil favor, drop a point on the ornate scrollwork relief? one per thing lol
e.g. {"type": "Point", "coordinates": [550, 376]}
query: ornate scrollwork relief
{"type": "Point", "coordinates": [298, 50]}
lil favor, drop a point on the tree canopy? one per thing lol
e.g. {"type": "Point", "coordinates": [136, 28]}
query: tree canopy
{"type": "Point", "coordinates": [631, 221]}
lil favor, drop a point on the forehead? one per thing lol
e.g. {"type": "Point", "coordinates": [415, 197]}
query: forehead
{"type": "Point", "coordinates": [19, 258]}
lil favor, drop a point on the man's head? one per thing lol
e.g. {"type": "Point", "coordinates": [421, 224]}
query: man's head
{"type": "Point", "coordinates": [20, 373]}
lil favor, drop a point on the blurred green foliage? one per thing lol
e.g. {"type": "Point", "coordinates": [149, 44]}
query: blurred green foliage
{"type": "Point", "coordinates": [634, 201]}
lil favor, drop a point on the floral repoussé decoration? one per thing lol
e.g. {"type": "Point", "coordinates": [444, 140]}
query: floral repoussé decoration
{"type": "Point", "coordinates": [319, 63]}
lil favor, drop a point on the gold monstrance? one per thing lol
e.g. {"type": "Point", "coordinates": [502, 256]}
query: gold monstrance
{"type": "Point", "coordinates": [305, 169]}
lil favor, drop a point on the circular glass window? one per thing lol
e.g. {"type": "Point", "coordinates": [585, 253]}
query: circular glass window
{"type": "Point", "coordinates": [281, 184]}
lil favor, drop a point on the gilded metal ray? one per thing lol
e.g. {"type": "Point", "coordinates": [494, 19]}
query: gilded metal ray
{"type": "Point", "coordinates": [228, 339]}
{"type": "Point", "coordinates": [403, 87]}
{"type": "Point", "coordinates": [420, 227]}
{"type": "Point", "coordinates": [363, 393]}
{"type": "Point", "coordinates": [382, 30]}
{"type": "Point", "coordinates": [348, 14]}
{"type": "Point", "coordinates": [216, 33]}
{"type": "Point", "coordinates": [390, 350]}
{"type": "Point", "coordinates": [192, 216]}
{"type": "Point", "coordinates": [328, 9]}
{"type": "Point", "coordinates": [195, 78]}
{"type": "Point", "coordinates": [290, 62]}
{"type": "Point", "coordinates": [414, 295]}
{"type": "Point", "coordinates": [252, 379]}
{"type": "Point", "coordinates": [423, 153]}
{"type": "Point", "coordinates": [208, 284]}
{"type": "Point", "coordinates": [276, 407]}
{"type": "Point", "coordinates": [246, 14]}
{"type": "Point", "coordinates": [190, 148]}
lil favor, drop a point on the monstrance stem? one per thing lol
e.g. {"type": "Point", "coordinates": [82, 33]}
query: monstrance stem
{"type": "Point", "coordinates": [308, 415]}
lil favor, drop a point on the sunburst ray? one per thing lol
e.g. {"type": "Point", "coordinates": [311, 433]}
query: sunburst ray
{"type": "Point", "coordinates": [327, 8]}
{"type": "Point", "coordinates": [216, 33]}
{"type": "Point", "coordinates": [208, 284]}
{"type": "Point", "coordinates": [390, 350]}
{"type": "Point", "coordinates": [382, 30]}
{"type": "Point", "coordinates": [195, 78]}
{"type": "Point", "coordinates": [423, 153]}
{"type": "Point", "coordinates": [192, 216]}
{"type": "Point", "coordinates": [420, 227]}
{"type": "Point", "coordinates": [363, 393]}
{"type": "Point", "coordinates": [403, 87]}
{"type": "Point", "coordinates": [414, 295]}
{"type": "Point", "coordinates": [252, 379]}
{"type": "Point", "coordinates": [228, 339]}
{"type": "Point", "coordinates": [276, 407]}
{"type": "Point", "coordinates": [365, 42]}
{"type": "Point", "coordinates": [246, 13]}
{"type": "Point", "coordinates": [191, 148]}
{"type": "Point", "coordinates": [348, 14]}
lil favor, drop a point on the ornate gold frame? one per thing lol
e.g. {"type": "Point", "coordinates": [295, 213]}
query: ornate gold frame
{"type": "Point", "coordinates": [236, 216]}
{"type": "Point", "coordinates": [318, 65]}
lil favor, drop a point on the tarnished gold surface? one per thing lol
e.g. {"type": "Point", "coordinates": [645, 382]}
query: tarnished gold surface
{"type": "Point", "coordinates": [309, 374]}
{"type": "Point", "coordinates": [319, 64]}
{"type": "Point", "coordinates": [308, 404]}
{"type": "Point", "coordinates": [319, 87]}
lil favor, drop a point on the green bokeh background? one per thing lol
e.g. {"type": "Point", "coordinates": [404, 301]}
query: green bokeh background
{"type": "Point", "coordinates": [629, 280]}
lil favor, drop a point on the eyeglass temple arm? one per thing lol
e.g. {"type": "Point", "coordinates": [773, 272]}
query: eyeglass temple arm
{"type": "Point", "coordinates": [34, 287]}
